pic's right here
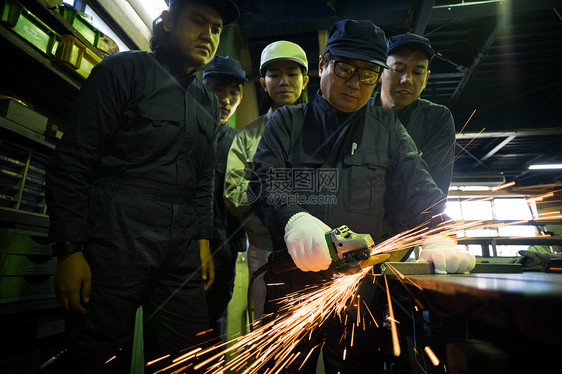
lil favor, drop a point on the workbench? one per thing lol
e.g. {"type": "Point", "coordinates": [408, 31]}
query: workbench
{"type": "Point", "coordinates": [519, 287]}
{"type": "Point", "coordinates": [485, 323]}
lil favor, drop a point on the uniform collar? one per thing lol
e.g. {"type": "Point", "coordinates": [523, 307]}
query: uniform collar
{"type": "Point", "coordinates": [269, 112]}
{"type": "Point", "coordinates": [175, 66]}
{"type": "Point", "coordinates": [376, 101]}
{"type": "Point", "coordinates": [322, 103]}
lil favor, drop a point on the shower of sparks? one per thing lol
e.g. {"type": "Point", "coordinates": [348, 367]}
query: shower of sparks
{"type": "Point", "coordinates": [271, 348]}
{"type": "Point", "coordinates": [301, 314]}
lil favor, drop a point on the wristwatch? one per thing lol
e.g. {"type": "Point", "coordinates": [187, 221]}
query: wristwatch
{"type": "Point", "coordinates": [66, 248]}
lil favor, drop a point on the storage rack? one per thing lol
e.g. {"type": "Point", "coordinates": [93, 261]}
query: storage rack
{"type": "Point", "coordinates": [28, 309]}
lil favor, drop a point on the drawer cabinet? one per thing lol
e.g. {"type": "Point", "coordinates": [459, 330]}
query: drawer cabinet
{"type": "Point", "coordinates": [27, 267]}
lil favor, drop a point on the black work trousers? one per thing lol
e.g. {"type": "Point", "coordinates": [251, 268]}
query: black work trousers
{"type": "Point", "coordinates": [347, 347]}
{"type": "Point", "coordinates": [142, 251]}
{"type": "Point", "coordinates": [220, 293]}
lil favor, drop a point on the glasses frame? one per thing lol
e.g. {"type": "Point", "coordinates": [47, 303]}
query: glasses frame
{"type": "Point", "coordinates": [355, 69]}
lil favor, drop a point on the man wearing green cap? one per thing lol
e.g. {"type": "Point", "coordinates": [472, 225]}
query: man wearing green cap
{"type": "Point", "coordinates": [330, 163]}
{"type": "Point", "coordinates": [129, 190]}
{"type": "Point", "coordinates": [226, 78]}
{"type": "Point", "coordinates": [283, 71]}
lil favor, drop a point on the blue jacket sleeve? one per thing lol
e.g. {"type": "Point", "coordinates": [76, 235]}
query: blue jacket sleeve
{"type": "Point", "coordinates": [268, 194]}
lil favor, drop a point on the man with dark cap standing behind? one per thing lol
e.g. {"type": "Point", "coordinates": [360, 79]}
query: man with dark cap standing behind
{"type": "Point", "coordinates": [226, 78]}
{"type": "Point", "coordinates": [430, 125]}
{"type": "Point", "coordinates": [337, 157]}
{"type": "Point", "coordinates": [129, 190]}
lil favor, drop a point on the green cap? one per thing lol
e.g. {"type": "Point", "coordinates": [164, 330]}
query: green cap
{"type": "Point", "coordinates": [283, 50]}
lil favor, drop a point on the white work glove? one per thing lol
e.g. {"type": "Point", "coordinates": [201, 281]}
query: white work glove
{"type": "Point", "coordinates": [306, 242]}
{"type": "Point", "coordinates": [445, 256]}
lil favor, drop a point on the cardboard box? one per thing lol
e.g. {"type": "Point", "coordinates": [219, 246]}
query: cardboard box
{"type": "Point", "coordinates": [16, 111]}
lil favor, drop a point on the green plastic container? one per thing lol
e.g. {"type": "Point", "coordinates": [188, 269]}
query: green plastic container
{"type": "Point", "coordinates": [81, 24]}
{"type": "Point", "coordinates": [29, 27]}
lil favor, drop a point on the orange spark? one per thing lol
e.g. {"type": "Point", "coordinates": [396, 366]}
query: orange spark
{"type": "Point", "coordinates": [369, 310]}
{"type": "Point", "coordinates": [393, 331]}
{"type": "Point", "coordinates": [156, 360]}
{"type": "Point", "coordinates": [453, 143]}
{"type": "Point", "coordinates": [463, 148]}
{"type": "Point", "coordinates": [358, 310]}
{"type": "Point", "coordinates": [467, 121]}
{"type": "Point", "coordinates": [431, 355]}
{"type": "Point", "coordinates": [553, 213]}
{"type": "Point", "coordinates": [271, 347]}
{"type": "Point", "coordinates": [187, 355]}
{"type": "Point", "coordinates": [307, 357]}
{"type": "Point", "coordinates": [203, 332]}
{"type": "Point", "coordinates": [502, 186]}
{"type": "Point", "coordinates": [541, 197]}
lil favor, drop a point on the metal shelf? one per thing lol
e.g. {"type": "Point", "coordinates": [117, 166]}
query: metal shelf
{"type": "Point", "coordinates": [25, 132]}
{"type": "Point", "coordinates": [18, 48]}
{"type": "Point", "coordinates": [22, 217]}
{"type": "Point", "coordinates": [58, 23]}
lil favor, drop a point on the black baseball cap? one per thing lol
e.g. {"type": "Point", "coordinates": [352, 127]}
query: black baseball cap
{"type": "Point", "coordinates": [226, 8]}
{"type": "Point", "coordinates": [226, 67]}
{"type": "Point", "coordinates": [412, 39]}
{"type": "Point", "coordinates": [361, 40]}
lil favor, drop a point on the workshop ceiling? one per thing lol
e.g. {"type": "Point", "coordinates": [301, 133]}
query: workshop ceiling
{"type": "Point", "coordinates": [498, 63]}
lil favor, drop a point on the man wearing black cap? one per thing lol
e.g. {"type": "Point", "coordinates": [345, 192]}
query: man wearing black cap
{"type": "Point", "coordinates": [330, 163]}
{"type": "Point", "coordinates": [430, 125]}
{"type": "Point", "coordinates": [129, 190]}
{"type": "Point", "coordinates": [226, 78]}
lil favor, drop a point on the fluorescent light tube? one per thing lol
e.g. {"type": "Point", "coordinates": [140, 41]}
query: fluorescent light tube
{"type": "Point", "coordinates": [545, 166]}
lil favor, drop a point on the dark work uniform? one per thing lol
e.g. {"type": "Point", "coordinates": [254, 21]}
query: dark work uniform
{"type": "Point", "coordinates": [341, 168]}
{"type": "Point", "coordinates": [432, 128]}
{"type": "Point", "coordinates": [132, 177]}
{"type": "Point", "coordinates": [228, 239]}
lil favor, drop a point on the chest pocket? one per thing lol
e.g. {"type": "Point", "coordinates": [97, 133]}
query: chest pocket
{"type": "Point", "coordinates": [363, 182]}
{"type": "Point", "coordinates": [151, 133]}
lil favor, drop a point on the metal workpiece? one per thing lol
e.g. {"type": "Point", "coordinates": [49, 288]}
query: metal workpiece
{"type": "Point", "coordinates": [407, 268]}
